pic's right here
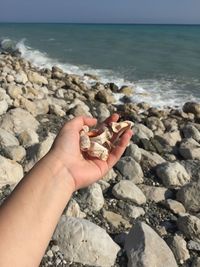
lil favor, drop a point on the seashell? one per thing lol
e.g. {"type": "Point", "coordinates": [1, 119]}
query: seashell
{"type": "Point", "coordinates": [85, 128]}
{"type": "Point", "coordinates": [118, 126]}
{"type": "Point", "coordinates": [85, 142]}
{"type": "Point", "coordinates": [98, 151]}
{"type": "Point", "coordinates": [99, 142]}
{"type": "Point", "coordinates": [102, 137]}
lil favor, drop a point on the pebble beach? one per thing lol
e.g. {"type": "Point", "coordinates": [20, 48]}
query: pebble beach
{"type": "Point", "coordinates": [146, 210]}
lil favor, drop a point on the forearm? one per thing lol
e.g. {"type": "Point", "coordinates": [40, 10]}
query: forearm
{"type": "Point", "coordinates": [29, 216]}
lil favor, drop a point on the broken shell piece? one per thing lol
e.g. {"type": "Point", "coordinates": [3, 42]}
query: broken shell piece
{"type": "Point", "coordinates": [85, 142]}
{"type": "Point", "coordinates": [99, 142]}
{"type": "Point", "coordinates": [118, 126]}
{"type": "Point", "coordinates": [85, 129]}
{"type": "Point", "coordinates": [102, 137]}
{"type": "Point", "coordinates": [98, 151]}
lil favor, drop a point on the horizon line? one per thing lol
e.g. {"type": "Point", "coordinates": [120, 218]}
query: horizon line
{"type": "Point", "coordinates": [104, 23]}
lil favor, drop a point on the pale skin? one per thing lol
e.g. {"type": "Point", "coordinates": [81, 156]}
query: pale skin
{"type": "Point", "coordinates": [29, 216]}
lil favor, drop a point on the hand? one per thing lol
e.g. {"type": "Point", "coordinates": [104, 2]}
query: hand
{"type": "Point", "coordinates": [66, 149]}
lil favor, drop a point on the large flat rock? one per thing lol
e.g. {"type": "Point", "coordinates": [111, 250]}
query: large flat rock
{"type": "Point", "coordinates": [145, 248]}
{"type": "Point", "coordinates": [84, 242]}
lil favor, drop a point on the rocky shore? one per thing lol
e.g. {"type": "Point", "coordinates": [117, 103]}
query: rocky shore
{"type": "Point", "coordinates": [146, 210]}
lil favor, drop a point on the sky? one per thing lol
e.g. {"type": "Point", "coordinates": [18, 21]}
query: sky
{"type": "Point", "coordinates": [101, 11]}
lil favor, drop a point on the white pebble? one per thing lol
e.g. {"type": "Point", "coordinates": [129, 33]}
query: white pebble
{"type": "Point", "coordinates": [55, 248]}
{"type": "Point", "coordinates": [50, 253]}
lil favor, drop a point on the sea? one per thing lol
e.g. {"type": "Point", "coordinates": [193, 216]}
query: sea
{"type": "Point", "coordinates": [161, 63]}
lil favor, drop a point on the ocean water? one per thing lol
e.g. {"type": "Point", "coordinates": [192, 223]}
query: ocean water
{"type": "Point", "coordinates": [160, 62]}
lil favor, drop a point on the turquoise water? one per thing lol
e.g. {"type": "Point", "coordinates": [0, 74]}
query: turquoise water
{"type": "Point", "coordinates": [162, 60]}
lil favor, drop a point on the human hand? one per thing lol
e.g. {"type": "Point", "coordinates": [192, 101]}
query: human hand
{"type": "Point", "coordinates": [66, 149]}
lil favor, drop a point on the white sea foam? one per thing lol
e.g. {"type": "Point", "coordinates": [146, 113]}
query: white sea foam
{"type": "Point", "coordinates": [158, 93]}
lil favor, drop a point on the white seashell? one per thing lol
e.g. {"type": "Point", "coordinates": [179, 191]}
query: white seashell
{"type": "Point", "coordinates": [98, 143]}
{"type": "Point", "coordinates": [84, 142]}
{"type": "Point", "coordinates": [118, 126]}
{"type": "Point", "coordinates": [103, 137]}
{"type": "Point", "coordinates": [98, 151]}
{"type": "Point", "coordinates": [85, 129]}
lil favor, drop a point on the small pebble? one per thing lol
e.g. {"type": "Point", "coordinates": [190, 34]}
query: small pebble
{"type": "Point", "coordinates": [50, 253]}
{"type": "Point", "coordinates": [58, 261]}
{"type": "Point", "coordinates": [55, 248]}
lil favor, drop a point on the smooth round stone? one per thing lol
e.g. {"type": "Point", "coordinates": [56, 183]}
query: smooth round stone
{"type": "Point", "coordinates": [127, 190]}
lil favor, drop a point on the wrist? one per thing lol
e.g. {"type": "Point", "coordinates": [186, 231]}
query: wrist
{"type": "Point", "coordinates": [59, 171]}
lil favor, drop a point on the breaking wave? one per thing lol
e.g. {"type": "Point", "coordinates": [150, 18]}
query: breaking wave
{"type": "Point", "coordinates": [160, 93]}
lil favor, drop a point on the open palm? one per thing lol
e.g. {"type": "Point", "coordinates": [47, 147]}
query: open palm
{"type": "Point", "coordinates": [85, 170]}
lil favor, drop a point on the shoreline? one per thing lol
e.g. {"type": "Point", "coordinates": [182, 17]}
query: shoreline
{"type": "Point", "coordinates": [159, 88]}
{"type": "Point", "coordinates": [161, 166]}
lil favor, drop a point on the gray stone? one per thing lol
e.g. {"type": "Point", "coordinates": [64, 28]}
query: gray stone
{"type": "Point", "coordinates": [21, 77]}
{"type": "Point", "coordinates": [189, 149]}
{"type": "Point", "coordinates": [151, 159]}
{"type": "Point", "coordinates": [189, 195]}
{"type": "Point", "coordinates": [193, 168]}
{"type": "Point", "coordinates": [110, 175]}
{"type": "Point", "coordinates": [130, 169]}
{"type": "Point", "coordinates": [45, 146]}
{"type": "Point", "coordinates": [173, 205]}
{"type": "Point", "coordinates": [172, 174]}
{"type": "Point", "coordinates": [57, 110]}
{"type": "Point", "coordinates": [84, 242]}
{"type": "Point", "coordinates": [35, 77]}
{"type": "Point", "coordinates": [126, 90]}
{"type": "Point", "coordinates": [134, 152]}
{"type": "Point", "coordinates": [105, 96]}
{"type": "Point", "coordinates": [27, 105]}
{"type": "Point", "coordinates": [42, 106]}
{"type": "Point", "coordinates": [93, 197]}
{"type": "Point", "coordinates": [3, 106]}
{"type": "Point", "coordinates": [10, 172]}
{"type": "Point", "coordinates": [80, 110]}
{"type": "Point", "coordinates": [179, 247]}
{"type": "Point", "coordinates": [170, 157]}
{"type": "Point", "coordinates": [104, 185]}
{"type": "Point", "coordinates": [10, 78]}
{"type": "Point", "coordinates": [7, 139]}
{"type": "Point", "coordinates": [161, 230]}
{"type": "Point", "coordinates": [193, 245]}
{"type": "Point", "coordinates": [142, 132]}
{"type": "Point", "coordinates": [155, 194]}
{"type": "Point", "coordinates": [55, 248]}
{"type": "Point", "coordinates": [28, 138]}
{"type": "Point", "coordinates": [16, 153]}
{"type": "Point", "coordinates": [14, 91]}
{"type": "Point", "coordinates": [192, 107]}
{"type": "Point", "coordinates": [170, 138]}
{"type": "Point", "coordinates": [102, 111]}
{"type": "Point", "coordinates": [190, 131]}
{"type": "Point", "coordinates": [148, 145]}
{"type": "Point", "coordinates": [196, 262]}
{"type": "Point", "coordinates": [73, 210]}
{"type": "Point", "coordinates": [4, 96]}
{"type": "Point", "coordinates": [190, 226]}
{"type": "Point", "coordinates": [134, 211]}
{"type": "Point", "coordinates": [146, 248]}
{"type": "Point", "coordinates": [170, 124]}
{"type": "Point", "coordinates": [18, 120]}
{"type": "Point", "coordinates": [60, 93]}
{"type": "Point", "coordinates": [49, 254]}
{"type": "Point", "coordinates": [58, 75]}
{"type": "Point", "coordinates": [127, 190]}
{"type": "Point", "coordinates": [116, 220]}
{"type": "Point", "coordinates": [155, 124]}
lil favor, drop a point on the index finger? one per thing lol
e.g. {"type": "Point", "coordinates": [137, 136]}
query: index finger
{"type": "Point", "coordinates": [78, 122]}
